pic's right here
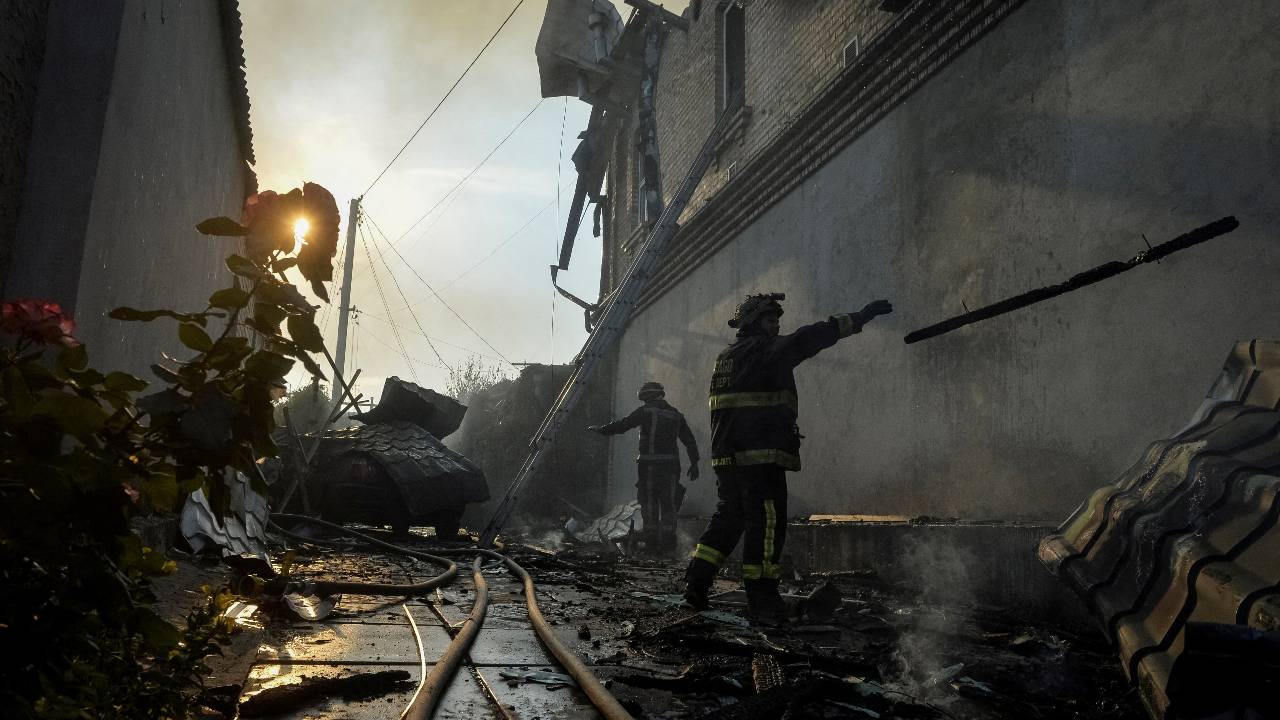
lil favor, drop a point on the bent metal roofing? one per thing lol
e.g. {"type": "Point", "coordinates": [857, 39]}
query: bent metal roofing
{"type": "Point", "coordinates": [1187, 540]}
{"type": "Point", "coordinates": [232, 30]}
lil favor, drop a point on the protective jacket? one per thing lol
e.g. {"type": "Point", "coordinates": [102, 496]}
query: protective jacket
{"type": "Point", "coordinates": [660, 425]}
{"type": "Point", "coordinates": [753, 400]}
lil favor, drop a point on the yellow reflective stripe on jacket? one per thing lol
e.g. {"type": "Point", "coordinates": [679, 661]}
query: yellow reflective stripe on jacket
{"type": "Point", "coordinates": [845, 325]}
{"type": "Point", "coordinates": [708, 553]}
{"type": "Point", "coordinates": [767, 456]}
{"type": "Point", "coordinates": [770, 535]}
{"type": "Point", "coordinates": [726, 401]}
{"type": "Point", "coordinates": [752, 572]}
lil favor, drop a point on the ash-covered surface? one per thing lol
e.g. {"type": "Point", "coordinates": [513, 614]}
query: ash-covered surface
{"type": "Point", "coordinates": [884, 652]}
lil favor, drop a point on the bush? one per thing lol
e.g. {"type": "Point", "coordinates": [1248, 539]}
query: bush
{"type": "Point", "coordinates": [83, 451]}
{"type": "Point", "coordinates": [471, 377]}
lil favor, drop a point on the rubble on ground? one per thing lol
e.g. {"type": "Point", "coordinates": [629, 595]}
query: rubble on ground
{"type": "Point", "coordinates": [860, 648]}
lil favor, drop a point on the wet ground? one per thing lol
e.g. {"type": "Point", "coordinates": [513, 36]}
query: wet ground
{"type": "Point", "coordinates": [877, 651]}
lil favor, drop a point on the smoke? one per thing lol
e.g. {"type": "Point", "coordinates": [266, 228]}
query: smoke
{"type": "Point", "coordinates": [919, 665]}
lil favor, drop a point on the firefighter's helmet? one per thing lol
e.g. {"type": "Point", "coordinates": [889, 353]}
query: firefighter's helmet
{"type": "Point", "coordinates": [756, 307]}
{"type": "Point", "coordinates": [651, 391]}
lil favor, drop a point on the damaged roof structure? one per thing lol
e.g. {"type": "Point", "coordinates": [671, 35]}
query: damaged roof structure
{"type": "Point", "coordinates": [1179, 559]}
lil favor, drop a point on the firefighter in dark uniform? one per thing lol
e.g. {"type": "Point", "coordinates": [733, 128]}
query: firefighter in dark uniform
{"type": "Point", "coordinates": [754, 441]}
{"type": "Point", "coordinates": [658, 463]}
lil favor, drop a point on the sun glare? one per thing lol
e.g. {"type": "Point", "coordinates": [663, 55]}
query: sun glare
{"type": "Point", "coordinates": [300, 227]}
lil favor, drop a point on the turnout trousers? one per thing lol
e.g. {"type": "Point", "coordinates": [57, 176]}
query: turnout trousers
{"type": "Point", "coordinates": [752, 502]}
{"type": "Point", "coordinates": [657, 488]}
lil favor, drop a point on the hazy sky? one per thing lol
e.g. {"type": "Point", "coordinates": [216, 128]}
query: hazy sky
{"type": "Point", "coordinates": [336, 89]}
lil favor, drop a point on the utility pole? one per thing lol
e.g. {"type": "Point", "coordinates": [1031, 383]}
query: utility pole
{"type": "Point", "coordinates": [344, 308]}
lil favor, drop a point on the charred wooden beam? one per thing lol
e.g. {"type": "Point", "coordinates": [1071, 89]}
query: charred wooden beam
{"type": "Point", "coordinates": [1088, 277]}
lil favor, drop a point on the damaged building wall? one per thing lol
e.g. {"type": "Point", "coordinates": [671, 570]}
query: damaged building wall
{"type": "Point", "coordinates": [1048, 146]}
{"type": "Point", "coordinates": [141, 131]}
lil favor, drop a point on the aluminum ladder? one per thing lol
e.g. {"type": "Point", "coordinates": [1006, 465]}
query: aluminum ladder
{"type": "Point", "coordinates": [609, 327]}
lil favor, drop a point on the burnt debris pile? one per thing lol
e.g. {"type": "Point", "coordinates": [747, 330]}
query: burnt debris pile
{"type": "Point", "coordinates": [393, 469]}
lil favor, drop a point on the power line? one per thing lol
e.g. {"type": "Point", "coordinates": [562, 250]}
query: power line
{"type": "Point", "coordinates": [378, 283]}
{"type": "Point", "coordinates": [446, 97]}
{"type": "Point", "coordinates": [555, 240]}
{"type": "Point", "coordinates": [402, 328]}
{"type": "Point", "coordinates": [457, 186]}
{"type": "Point", "coordinates": [437, 295]}
{"type": "Point", "coordinates": [500, 245]}
{"type": "Point", "coordinates": [388, 345]}
{"type": "Point", "coordinates": [492, 252]}
{"type": "Point", "coordinates": [396, 283]}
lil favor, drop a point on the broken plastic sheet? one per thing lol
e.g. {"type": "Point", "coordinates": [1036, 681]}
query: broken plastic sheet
{"type": "Point", "coordinates": [243, 532]}
{"type": "Point", "coordinates": [308, 606]}
{"type": "Point", "coordinates": [613, 525]}
{"type": "Point", "coordinates": [553, 680]}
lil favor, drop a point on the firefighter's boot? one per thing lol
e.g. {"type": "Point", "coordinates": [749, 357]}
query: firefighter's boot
{"type": "Point", "coordinates": [697, 578]}
{"type": "Point", "coordinates": [764, 604]}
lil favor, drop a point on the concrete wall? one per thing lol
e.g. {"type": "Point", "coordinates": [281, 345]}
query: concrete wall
{"type": "Point", "coordinates": [22, 37]}
{"type": "Point", "coordinates": [1049, 147]}
{"type": "Point", "coordinates": [61, 164]}
{"type": "Point", "coordinates": [164, 157]}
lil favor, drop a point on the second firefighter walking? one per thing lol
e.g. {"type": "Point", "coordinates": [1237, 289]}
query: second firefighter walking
{"type": "Point", "coordinates": [658, 464]}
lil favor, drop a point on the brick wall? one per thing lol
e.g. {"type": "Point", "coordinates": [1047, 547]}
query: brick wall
{"type": "Point", "coordinates": [795, 48]}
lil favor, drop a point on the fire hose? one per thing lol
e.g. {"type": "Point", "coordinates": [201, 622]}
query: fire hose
{"type": "Point", "coordinates": [434, 685]}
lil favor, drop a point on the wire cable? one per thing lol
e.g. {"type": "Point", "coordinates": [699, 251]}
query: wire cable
{"type": "Point", "coordinates": [402, 328]}
{"type": "Point", "coordinates": [437, 295]}
{"type": "Point", "coordinates": [446, 97]}
{"type": "Point", "coordinates": [555, 240]}
{"type": "Point", "coordinates": [396, 283]}
{"type": "Point", "coordinates": [378, 283]}
{"type": "Point", "coordinates": [457, 186]}
{"type": "Point", "coordinates": [494, 251]}
{"type": "Point", "coordinates": [392, 348]}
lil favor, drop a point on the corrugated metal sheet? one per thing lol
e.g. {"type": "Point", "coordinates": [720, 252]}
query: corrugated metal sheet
{"type": "Point", "coordinates": [232, 30]}
{"type": "Point", "coordinates": [1188, 533]}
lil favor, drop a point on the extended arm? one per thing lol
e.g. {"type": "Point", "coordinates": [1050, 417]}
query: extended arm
{"type": "Point", "coordinates": [809, 340]}
{"type": "Point", "coordinates": [617, 427]}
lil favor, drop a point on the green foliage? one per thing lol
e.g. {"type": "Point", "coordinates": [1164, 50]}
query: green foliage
{"type": "Point", "coordinates": [83, 451]}
{"type": "Point", "coordinates": [471, 377]}
{"type": "Point", "coordinates": [308, 407]}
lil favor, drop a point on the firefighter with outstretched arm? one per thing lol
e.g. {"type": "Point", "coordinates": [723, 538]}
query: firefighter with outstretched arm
{"type": "Point", "coordinates": [658, 463]}
{"type": "Point", "coordinates": [755, 441]}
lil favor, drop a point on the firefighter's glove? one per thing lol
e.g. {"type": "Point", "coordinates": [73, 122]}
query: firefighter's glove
{"type": "Point", "coordinates": [875, 308]}
{"type": "Point", "coordinates": [693, 473]}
